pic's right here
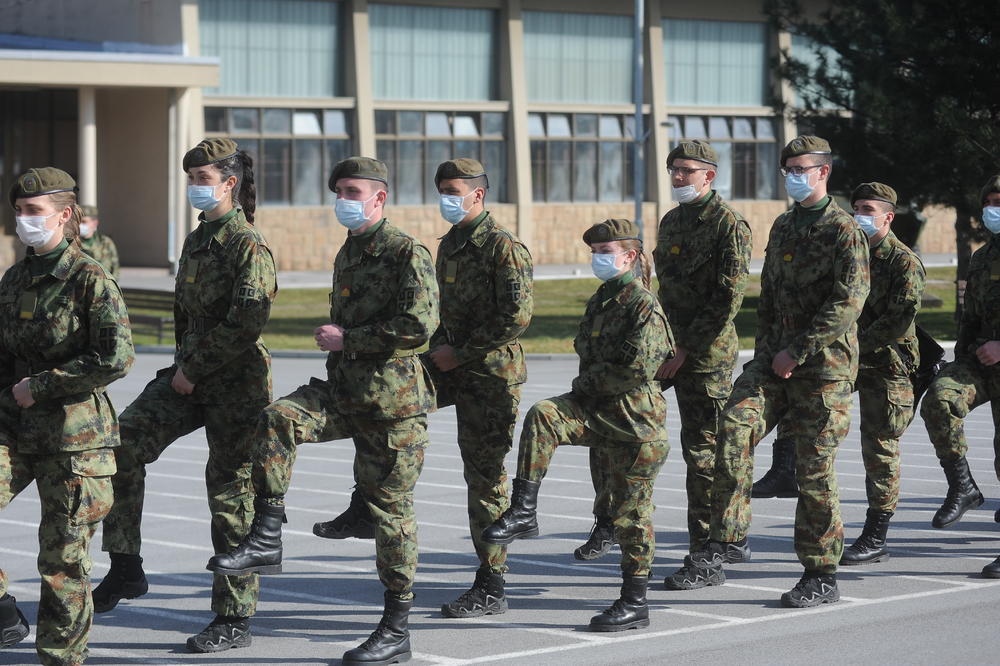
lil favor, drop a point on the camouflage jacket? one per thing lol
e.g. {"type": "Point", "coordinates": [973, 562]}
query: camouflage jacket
{"type": "Point", "coordinates": [225, 284]}
{"type": "Point", "coordinates": [623, 339]}
{"type": "Point", "coordinates": [385, 297]}
{"type": "Point", "coordinates": [887, 336]}
{"type": "Point", "coordinates": [980, 321]}
{"type": "Point", "coordinates": [485, 280]}
{"type": "Point", "coordinates": [103, 249]}
{"type": "Point", "coordinates": [702, 264]}
{"type": "Point", "coordinates": [813, 286]}
{"type": "Point", "coordinates": [68, 330]}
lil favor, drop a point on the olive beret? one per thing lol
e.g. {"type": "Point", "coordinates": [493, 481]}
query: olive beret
{"type": "Point", "coordinates": [359, 167]}
{"type": "Point", "coordinates": [874, 192]}
{"type": "Point", "coordinates": [89, 211]}
{"type": "Point", "coordinates": [694, 149]}
{"type": "Point", "coordinates": [460, 167]}
{"type": "Point", "coordinates": [209, 151]}
{"type": "Point", "coordinates": [36, 182]}
{"type": "Point", "coordinates": [992, 185]}
{"type": "Point", "coordinates": [805, 145]}
{"type": "Point", "coordinates": [611, 230]}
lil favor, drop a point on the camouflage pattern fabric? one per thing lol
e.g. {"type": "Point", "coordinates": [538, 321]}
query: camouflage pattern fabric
{"type": "Point", "coordinates": [966, 383]}
{"type": "Point", "coordinates": [484, 275]}
{"type": "Point", "coordinates": [65, 326]}
{"type": "Point", "coordinates": [225, 283]}
{"type": "Point", "coordinates": [104, 251]}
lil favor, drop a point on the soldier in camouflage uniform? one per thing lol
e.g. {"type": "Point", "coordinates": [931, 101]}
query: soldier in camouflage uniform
{"type": "Point", "coordinates": [973, 378]}
{"type": "Point", "coordinates": [484, 275]}
{"type": "Point", "coordinates": [64, 336]}
{"type": "Point", "coordinates": [383, 310]}
{"type": "Point", "coordinates": [813, 287]}
{"type": "Point", "coordinates": [220, 380]}
{"type": "Point", "coordinates": [98, 245]}
{"type": "Point", "coordinates": [616, 404]}
{"type": "Point", "coordinates": [889, 354]}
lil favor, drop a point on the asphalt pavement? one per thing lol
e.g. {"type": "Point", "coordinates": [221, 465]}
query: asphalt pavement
{"type": "Point", "coordinates": [926, 605]}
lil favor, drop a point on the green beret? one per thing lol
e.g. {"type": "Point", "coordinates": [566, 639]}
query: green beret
{"type": "Point", "coordinates": [89, 211]}
{"type": "Point", "coordinates": [359, 167]}
{"type": "Point", "coordinates": [209, 151]}
{"type": "Point", "coordinates": [805, 145]}
{"type": "Point", "coordinates": [874, 192]}
{"type": "Point", "coordinates": [460, 167]}
{"type": "Point", "coordinates": [695, 149]}
{"type": "Point", "coordinates": [992, 185]}
{"type": "Point", "coordinates": [36, 182]}
{"type": "Point", "coordinates": [611, 230]}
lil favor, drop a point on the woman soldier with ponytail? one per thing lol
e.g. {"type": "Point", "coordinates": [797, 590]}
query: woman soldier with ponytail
{"type": "Point", "coordinates": [64, 336]}
{"type": "Point", "coordinates": [615, 404]}
{"type": "Point", "coordinates": [220, 379]}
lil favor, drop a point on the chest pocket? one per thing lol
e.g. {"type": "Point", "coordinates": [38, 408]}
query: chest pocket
{"type": "Point", "coordinates": [205, 282]}
{"type": "Point", "coordinates": [359, 294]}
{"type": "Point", "coordinates": [55, 323]}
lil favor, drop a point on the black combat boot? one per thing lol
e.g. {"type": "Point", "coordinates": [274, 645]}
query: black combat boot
{"type": "Point", "coordinates": [721, 552]}
{"type": "Point", "coordinates": [629, 611]}
{"type": "Point", "coordinates": [125, 580]}
{"type": "Point", "coordinates": [520, 521]}
{"type": "Point", "coordinates": [602, 537]}
{"type": "Point", "coordinates": [963, 493]}
{"type": "Point", "coordinates": [259, 551]}
{"type": "Point", "coordinates": [870, 546]}
{"type": "Point", "coordinates": [692, 577]}
{"type": "Point", "coordinates": [779, 481]}
{"type": "Point", "coordinates": [812, 589]}
{"type": "Point", "coordinates": [222, 634]}
{"type": "Point", "coordinates": [390, 642]}
{"type": "Point", "coordinates": [13, 625]}
{"type": "Point", "coordinates": [485, 597]}
{"type": "Point", "coordinates": [992, 570]}
{"type": "Point", "coordinates": [355, 522]}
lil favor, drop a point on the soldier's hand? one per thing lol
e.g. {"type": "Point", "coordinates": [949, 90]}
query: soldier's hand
{"type": "Point", "coordinates": [181, 384]}
{"type": "Point", "coordinates": [22, 393]}
{"type": "Point", "coordinates": [329, 338]}
{"type": "Point", "coordinates": [783, 364]}
{"type": "Point", "coordinates": [672, 365]}
{"type": "Point", "coordinates": [989, 353]}
{"type": "Point", "coordinates": [444, 358]}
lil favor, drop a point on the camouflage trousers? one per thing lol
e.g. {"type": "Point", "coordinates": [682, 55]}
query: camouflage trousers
{"type": "Point", "coordinates": [388, 457]}
{"type": "Point", "coordinates": [815, 415]}
{"type": "Point", "coordinates": [157, 418]}
{"type": "Point", "coordinates": [74, 489]}
{"type": "Point", "coordinates": [960, 387]}
{"type": "Point", "coordinates": [486, 407]}
{"type": "Point", "coordinates": [633, 466]}
{"type": "Point", "coordinates": [886, 401]}
{"type": "Point", "coordinates": [700, 399]}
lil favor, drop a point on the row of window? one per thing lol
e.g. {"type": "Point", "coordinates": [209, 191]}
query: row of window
{"type": "Point", "coordinates": [574, 156]}
{"type": "Point", "coordinates": [295, 48]}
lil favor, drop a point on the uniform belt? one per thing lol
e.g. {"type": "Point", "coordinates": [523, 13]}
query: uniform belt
{"type": "Point", "coordinates": [376, 356]}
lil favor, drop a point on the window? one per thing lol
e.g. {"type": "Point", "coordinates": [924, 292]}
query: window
{"type": "Point", "coordinates": [747, 150]}
{"type": "Point", "coordinates": [581, 156]}
{"type": "Point", "coordinates": [578, 58]}
{"type": "Point", "coordinates": [272, 48]}
{"type": "Point", "coordinates": [293, 150]}
{"type": "Point", "coordinates": [715, 63]}
{"type": "Point", "coordinates": [413, 143]}
{"type": "Point", "coordinates": [815, 56]}
{"type": "Point", "coordinates": [433, 53]}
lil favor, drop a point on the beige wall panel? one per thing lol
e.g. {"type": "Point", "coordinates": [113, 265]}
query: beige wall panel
{"type": "Point", "coordinates": [132, 160]}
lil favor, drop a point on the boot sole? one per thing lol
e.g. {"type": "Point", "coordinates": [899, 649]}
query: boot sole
{"type": "Point", "coordinates": [323, 533]}
{"type": "Point", "coordinates": [14, 635]}
{"type": "Point", "coordinates": [262, 570]}
{"type": "Point", "coordinates": [788, 603]}
{"type": "Point", "coordinates": [238, 643]}
{"type": "Point", "coordinates": [509, 540]}
{"type": "Point", "coordinates": [590, 555]}
{"type": "Point", "coordinates": [974, 505]}
{"type": "Point", "coordinates": [113, 601]}
{"type": "Point", "coordinates": [605, 628]}
{"type": "Point", "coordinates": [854, 563]}
{"type": "Point", "coordinates": [398, 659]}
{"type": "Point", "coordinates": [496, 610]}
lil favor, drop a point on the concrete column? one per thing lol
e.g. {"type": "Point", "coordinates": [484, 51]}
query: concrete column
{"type": "Point", "coordinates": [87, 150]}
{"type": "Point", "coordinates": [656, 84]}
{"type": "Point", "coordinates": [789, 130]}
{"type": "Point", "coordinates": [516, 90]}
{"type": "Point", "coordinates": [360, 77]}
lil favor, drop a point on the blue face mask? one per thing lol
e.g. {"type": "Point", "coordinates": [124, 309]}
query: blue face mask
{"type": "Point", "coordinates": [451, 207]}
{"type": "Point", "coordinates": [351, 213]}
{"type": "Point", "coordinates": [798, 186]}
{"type": "Point", "coordinates": [991, 218]}
{"type": "Point", "coordinates": [867, 224]}
{"type": "Point", "coordinates": [203, 197]}
{"type": "Point", "coordinates": [604, 266]}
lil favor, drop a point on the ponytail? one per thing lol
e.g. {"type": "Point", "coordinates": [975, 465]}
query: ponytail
{"type": "Point", "coordinates": [641, 268]}
{"type": "Point", "coordinates": [71, 228]}
{"type": "Point", "coordinates": [245, 193]}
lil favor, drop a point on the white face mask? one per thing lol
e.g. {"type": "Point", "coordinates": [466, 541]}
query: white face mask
{"type": "Point", "coordinates": [86, 230]}
{"type": "Point", "coordinates": [685, 194]}
{"type": "Point", "coordinates": [351, 213]}
{"type": "Point", "coordinates": [31, 230]}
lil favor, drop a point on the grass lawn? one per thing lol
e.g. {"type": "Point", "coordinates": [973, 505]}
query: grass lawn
{"type": "Point", "coordinates": [558, 307]}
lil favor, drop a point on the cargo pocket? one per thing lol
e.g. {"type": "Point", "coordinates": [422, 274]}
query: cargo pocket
{"type": "Point", "coordinates": [899, 404]}
{"type": "Point", "coordinates": [92, 491]}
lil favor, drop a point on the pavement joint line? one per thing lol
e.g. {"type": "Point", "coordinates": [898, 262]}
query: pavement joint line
{"type": "Point", "coordinates": [687, 613]}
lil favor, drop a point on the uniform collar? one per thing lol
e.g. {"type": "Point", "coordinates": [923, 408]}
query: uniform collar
{"type": "Point", "coordinates": [476, 232]}
{"type": "Point", "coordinates": [374, 240]}
{"type": "Point", "coordinates": [885, 247]}
{"type": "Point", "coordinates": [220, 229]}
